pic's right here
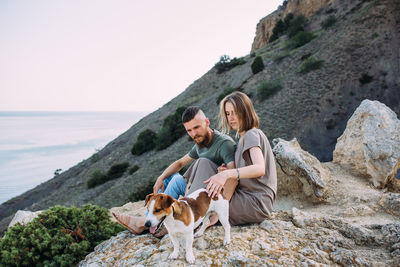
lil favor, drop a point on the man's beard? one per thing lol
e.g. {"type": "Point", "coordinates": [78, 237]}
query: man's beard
{"type": "Point", "coordinates": [205, 141]}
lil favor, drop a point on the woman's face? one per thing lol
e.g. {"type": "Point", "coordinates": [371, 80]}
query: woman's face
{"type": "Point", "coordinates": [231, 116]}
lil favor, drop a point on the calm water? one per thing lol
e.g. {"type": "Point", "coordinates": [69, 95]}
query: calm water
{"type": "Point", "coordinates": [34, 144]}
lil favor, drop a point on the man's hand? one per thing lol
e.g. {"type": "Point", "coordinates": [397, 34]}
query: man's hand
{"type": "Point", "coordinates": [222, 168]}
{"type": "Point", "coordinates": [158, 185]}
{"type": "Point", "coordinates": [215, 184]}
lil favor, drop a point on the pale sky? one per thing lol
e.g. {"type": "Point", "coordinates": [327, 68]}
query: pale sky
{"type": "Point", "coordinates": [122, 55]}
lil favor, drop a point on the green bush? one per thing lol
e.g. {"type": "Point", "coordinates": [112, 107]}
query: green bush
{"type": "Point", "coordinates": [226, 92]}
{"type": "Point", "coordinates": [365, 78]}
{"type": "Point", "coordinates": [296, 25]}
{"type": "Point", "coordinates": [134, 169]}
{"type": "Point", "coordinates": [268, 88]}
{"type": "Point", "coordinates": [96, 178]}
{"type": "Point", "coordinates": [59, 236]}
{"type": "Point", "coordinates": [300, 39]}
{"type": "Point", "coordinates": [328, 22]}
{"type": "Point", "coordinates": [117, 170]}
{"type": "Point", "coordinates": [280, 56]}
{"type": "Point", "coordinates": [146, 141]}
{"type": "Point", "coordinates": [171, 130]}
{"type": "Point", "coordinates": [310, 64]}
{"type": "Point", "coordinates": [225, 63]}
{"type": "Point", "coordinates": [257, 65]}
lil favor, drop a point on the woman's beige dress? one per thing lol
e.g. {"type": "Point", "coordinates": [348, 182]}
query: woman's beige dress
{"type": "Point", "coordinates": [253, 199]}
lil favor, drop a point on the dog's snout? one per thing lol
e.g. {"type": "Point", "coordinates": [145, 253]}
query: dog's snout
{"type": "Point", "coordinates": [147, 224]}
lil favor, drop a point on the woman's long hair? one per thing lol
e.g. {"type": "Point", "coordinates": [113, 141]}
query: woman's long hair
{"type": "Point", "coordinates": [244, 109]}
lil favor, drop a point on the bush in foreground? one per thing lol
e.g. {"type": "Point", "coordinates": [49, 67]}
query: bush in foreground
{"type": "Point", "coordinates": [59, 236]}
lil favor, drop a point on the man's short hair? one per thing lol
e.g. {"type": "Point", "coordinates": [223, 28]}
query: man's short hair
{"type": "Point", "coordinates": [190, 113]}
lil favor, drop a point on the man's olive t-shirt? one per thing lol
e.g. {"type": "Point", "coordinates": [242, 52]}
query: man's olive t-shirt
{"type": "Point", "coordinates": [220, 150]}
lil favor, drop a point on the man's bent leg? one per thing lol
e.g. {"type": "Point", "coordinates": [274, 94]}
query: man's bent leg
{"type": "Point", "coordinates": [198, 172]}
{"type": "Point", "coordinates": [176, 186]}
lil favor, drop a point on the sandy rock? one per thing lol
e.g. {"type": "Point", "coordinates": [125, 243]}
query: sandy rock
{"type": "Point", "coordinates": [391, 203]}
{"type": "Point", "coordinates": [370, 145]}
{"type": "Point", "coordinates": [23, 217]}
{"type": "Point", "coordinates": [295, 164]}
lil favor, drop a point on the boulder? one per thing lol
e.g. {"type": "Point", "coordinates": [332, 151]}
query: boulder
{"type": "Point", "coordinates": [298, 167]}
{"type": "Point", "coordinates": [370, 144]}
{"type": "Point", "coordinates": [391, 203]}
{"type": "Point", "coordinates": [23, 217]}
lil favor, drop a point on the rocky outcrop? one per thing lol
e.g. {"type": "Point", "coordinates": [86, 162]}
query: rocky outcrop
{"type": "Point", "coordinates": [370, 145]}
{"type": "Point", "coordinates": [295, 165]}
{"type": "Point", "coordinates": [296, 7]}
{"type": "Point", "coordinates": [23, 217]}
{"type": "Point", "coordinates": [280, 241]}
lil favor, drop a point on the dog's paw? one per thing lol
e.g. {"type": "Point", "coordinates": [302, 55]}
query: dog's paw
{"type": "Point", "coordinates": [173, 256]}
{"type": "Point", "coordinates": [190, 258]}
{"type": "Point", "coordinates": [227, 241]}
{"type": "Point", "coordinates": [198, 233]}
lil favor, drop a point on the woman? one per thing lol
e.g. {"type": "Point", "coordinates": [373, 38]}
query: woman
{"type": "Point", "coordinates": [254, 196]}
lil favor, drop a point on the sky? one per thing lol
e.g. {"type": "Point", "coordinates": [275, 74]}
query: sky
{"type": "Point", "coordinates": [123, 55]}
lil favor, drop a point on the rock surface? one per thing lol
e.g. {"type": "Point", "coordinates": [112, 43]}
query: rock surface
{"type": "Point", "coordinates": [295, 164]}
{"type": "Point", "coordinates": [296, 7]}
{"type": "Point", "coordinates": [349, 228]}
{"type": "Point", "coordinates": [370, 145]}
{"type": "Point", "coordinates": [23, 217]}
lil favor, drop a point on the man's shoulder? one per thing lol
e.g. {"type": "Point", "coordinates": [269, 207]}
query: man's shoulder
{"type": "Point", "coordinates": [222, 138]}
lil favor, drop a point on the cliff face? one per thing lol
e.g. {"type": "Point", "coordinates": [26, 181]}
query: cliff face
{"type": "Point", "coordinates": [296, 7]}
{"type": "Point", "coordinates": [360, 60]}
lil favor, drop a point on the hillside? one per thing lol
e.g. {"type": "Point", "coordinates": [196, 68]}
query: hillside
{"type": "Point", "coordinates": [360, 59]}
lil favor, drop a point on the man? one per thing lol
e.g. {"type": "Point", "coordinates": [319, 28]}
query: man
{"type": "Point", "coordinates": [212, 149]}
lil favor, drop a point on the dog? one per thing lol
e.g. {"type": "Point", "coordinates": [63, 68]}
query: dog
{"type": "Point", "coordinates": [182, 216]}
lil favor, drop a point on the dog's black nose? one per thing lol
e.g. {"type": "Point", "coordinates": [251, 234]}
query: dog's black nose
{"type": "Point", "coordinates": [147, 224]}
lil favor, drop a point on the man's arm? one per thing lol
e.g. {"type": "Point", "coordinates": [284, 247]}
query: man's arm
{"type": "Point", "coordinates": [175, 167]}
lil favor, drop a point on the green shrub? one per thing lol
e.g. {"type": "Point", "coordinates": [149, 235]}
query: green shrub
{"type": "Point", "coordinates": [226, 92]}
{"type": "Point", "coordinates": [171, 130]}
{"type": "Point", "coordinates": [134, 169]}
{"type": "Point", "coordinates": [96, 178]}
{"type": "Point", "coordinates": [117, 170]}
{"type": "Point", "coordinates": [277, 31]}
{"type": "Point", "coordinates": [225, 63]}
{"type": "Point", "coordinates": [268, 88]}
{"type": "Point", "coordinates": [310, 64]}
{"type": "Point", "coordinates": [257, 65]}
{"type": "Point", "coordinates": [365, 78]}
{"type": "Point", "coordinates": [296, 25]}
{"type": "Point", "coordinates": [59, 236]}
{"type": "Point", "coordinates": [300, 39]}
{"type": "Point", "coordinates": [278, 58]}
{"type": "Point", "coordinates": [146, 141]}
{"type": "Point", "coordinates": [328, 22]}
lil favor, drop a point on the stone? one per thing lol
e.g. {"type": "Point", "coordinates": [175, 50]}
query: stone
{"type": "Point", "coordinates": [23, 217]}
{"type": "Point", "coordinates": [391, 203]}
{"type": "Point", "coordinates": [295, 164]}
{"type": "Point", "coordinates": [370, 144]}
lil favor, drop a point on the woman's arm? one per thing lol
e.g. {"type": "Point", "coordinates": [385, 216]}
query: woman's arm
{"type": "Point", "coordinates": [257, 169]}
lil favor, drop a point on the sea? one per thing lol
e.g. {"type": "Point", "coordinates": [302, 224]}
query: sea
{"type": "Point", "coordinates": [34, 145]}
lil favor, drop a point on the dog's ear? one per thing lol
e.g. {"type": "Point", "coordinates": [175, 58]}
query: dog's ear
{"type": "Point", "coordinates": [167, 202]}
{"type": "Point", "coordinates": [148, 198]}
{"type": "Point", "coordinates": [176, 208]}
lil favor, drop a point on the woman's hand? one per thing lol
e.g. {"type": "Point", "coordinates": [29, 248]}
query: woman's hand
{"type": "Point", "coordinates": [215, 184]}
{"type": "Point", "coordinates": [222, 168]}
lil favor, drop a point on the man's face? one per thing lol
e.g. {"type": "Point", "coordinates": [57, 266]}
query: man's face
{"type": "Point", "coordinates": [197, 128]}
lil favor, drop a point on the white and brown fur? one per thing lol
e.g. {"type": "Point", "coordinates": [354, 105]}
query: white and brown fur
{"type": "Point", "coordinates": [182, 216]}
